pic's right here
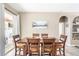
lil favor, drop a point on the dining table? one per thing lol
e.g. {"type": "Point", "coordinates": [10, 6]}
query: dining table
{"type": "Point", "coordinates": [24, 40]}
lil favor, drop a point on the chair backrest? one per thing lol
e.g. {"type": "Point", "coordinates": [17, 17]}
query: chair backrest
{"type": "Point", "coordinates": [44, 35]}
{"type": "Point", "coordinates": [49, 44]}
{"type": "Point", "coordinates": [16, 38]}
{"type": "Point", "coordinates": [33, 40]}
{"type": "Point", "coordinates": [33, 43]}
{"type": "Point", "coordinates": [63, 38]}
{"type": "Point", "coordinates": [48, 40]}
{"type": "Point", "coordinates": [36, 35]}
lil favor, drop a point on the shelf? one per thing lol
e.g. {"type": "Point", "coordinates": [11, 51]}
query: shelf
{"type": "Point", "coordinates": [75, 24]}
{"type": "Point", "coordinates": [75, 32]}
{"type": "Point", "coordinates": [75, 42]}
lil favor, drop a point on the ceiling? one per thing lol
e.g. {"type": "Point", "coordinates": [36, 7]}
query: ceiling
{"type": "Point", "coordinates": [45, 7]}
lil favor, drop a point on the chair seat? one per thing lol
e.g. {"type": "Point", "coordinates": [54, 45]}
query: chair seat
{"type": "Point", "coordinates": [48, 49]}
{"type": "Point", "coordinates": [20, 45]}
{"type": "Point", "coordinates": [59, 46]}
{"type": "Point", "coordinates": [34, 49]}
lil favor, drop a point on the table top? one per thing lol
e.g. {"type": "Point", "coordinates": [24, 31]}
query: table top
{"type": "Point", "coordinates": [41, 39]}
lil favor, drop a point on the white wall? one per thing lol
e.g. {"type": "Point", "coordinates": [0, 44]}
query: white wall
{"type": "Point", "coordinates": [2, 35]}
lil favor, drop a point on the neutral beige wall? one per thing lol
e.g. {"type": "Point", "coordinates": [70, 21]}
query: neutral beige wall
{"type": "Point", "coordinates": [51, 18]}
{"type": "Point", "coordinates": [53, 23]}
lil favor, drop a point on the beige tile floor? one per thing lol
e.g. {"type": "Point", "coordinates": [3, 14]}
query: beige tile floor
{"type": "Point", "coordinates": [8, 47]}
{"type": "Point", "coordinates": [70, 51]}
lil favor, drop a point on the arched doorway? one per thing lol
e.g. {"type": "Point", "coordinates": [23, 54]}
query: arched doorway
{"type": "Point", "coordinates": [63, 25]}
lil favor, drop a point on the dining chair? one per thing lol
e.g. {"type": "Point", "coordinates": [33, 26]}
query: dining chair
{"type": "Point", "coordinates": [33, 46]}
{"type": "Point", "coordinates": [36, 35]}
{"type": "Point", "coordinates": [44, 35]}
{"type": "Point", "coordinates": [48, 46]}
{"type": "Point", "coordinates": [19, 46]}
{"type": "Point", "coordinates": [60, 45]}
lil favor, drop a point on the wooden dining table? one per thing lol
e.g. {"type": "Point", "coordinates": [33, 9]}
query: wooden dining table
{"type": "Point", "coordinates": [24, 40]}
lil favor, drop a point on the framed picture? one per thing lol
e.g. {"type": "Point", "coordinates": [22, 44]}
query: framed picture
{"type": "Point", "coordinates": [39, 24]}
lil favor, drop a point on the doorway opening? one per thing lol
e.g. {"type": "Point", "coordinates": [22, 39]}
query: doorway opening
{"type": "Point", "coordinates": [63, 25]}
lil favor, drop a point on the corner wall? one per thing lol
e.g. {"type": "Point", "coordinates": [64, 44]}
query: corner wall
{"type": "Point", "coordinates": [2, 29]}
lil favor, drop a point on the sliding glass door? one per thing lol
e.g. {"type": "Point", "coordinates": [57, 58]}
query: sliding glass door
{"type": "Point", "coordinates": [11, 28]}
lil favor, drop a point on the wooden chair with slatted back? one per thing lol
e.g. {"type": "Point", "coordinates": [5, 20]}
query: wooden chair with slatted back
{"type": "Point", "coordinates": [36, 35]}
{"type": "Point", "coordinates": [48, 46]}
{"type": "Point", "coordinates": [44, 35]}
{"type": "Point", "coordinates": [34, 46]}
{"type": "Point", "coordinates": [60, 46]}
{"type": "Point", "coordinates": [19, 46]}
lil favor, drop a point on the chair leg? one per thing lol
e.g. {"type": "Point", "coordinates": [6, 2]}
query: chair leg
{"type": "Point", "coordinates": [50, 54]}
{"type": "Point", "coordinates": [43, 53]}
{"type": "Point", "coordinates": [60, 51]}
{"type": "Point", "coordinates": [24, 51]}
{"type": "Point", "coordinates": [39, 53]}
{"type": "Point", "coordinates": [55, 51]}
{"type": "Point", "coordinates": [15, 51]}
{"type": "Point", "coordinates": [63, 51]}
{"type": "Point", "coordinates": [19, 51]}
{"type": "Point", "coordinates": [29, 53]}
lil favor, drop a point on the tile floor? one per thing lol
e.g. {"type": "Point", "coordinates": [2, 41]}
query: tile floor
{"type": "Point", "coordinates": [70, 51]}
